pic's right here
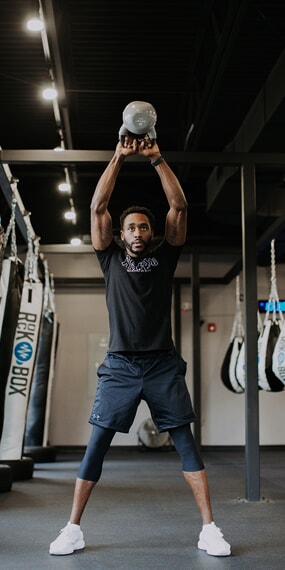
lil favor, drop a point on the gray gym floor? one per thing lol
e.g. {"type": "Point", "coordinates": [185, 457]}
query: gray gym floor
{"type": "Point", "coordinates": [142, 516]}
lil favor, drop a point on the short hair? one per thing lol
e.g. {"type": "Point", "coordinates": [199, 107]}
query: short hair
{"type": "Point", "coordinates": [137, 210]}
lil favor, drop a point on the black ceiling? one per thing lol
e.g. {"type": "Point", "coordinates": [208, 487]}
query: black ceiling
{"type": "Point", "coordinates": [214, 71]}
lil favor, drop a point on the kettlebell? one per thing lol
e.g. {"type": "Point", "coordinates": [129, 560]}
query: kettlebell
{"type": "Point", "coordinates": [139, 119]}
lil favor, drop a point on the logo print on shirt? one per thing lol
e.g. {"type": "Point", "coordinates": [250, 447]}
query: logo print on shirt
{"type": "Point", "coordinates": [143, 266]}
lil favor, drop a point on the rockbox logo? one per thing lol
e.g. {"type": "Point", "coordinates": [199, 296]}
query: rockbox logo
{"type": "Point", "coordinates": [23, 352]}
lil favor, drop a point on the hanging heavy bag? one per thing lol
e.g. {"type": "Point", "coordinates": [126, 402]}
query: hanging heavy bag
{"type": "Point", "coordinates": [55, 339]}
{"type": "Point", "coordinates": [240, 365]}
{"type": "Point", "coordinates": [228, 368]}
{"type": "Point", "coordinates": [42, 379]}
{"type": "Point", "coordinates": [267, 380]}
{"type": "Point", "coordinates": [22, 366]}
{"type": "Point", "coordinates": [278, 358]}
{"type": "Point", "coordinates": [11, 285]}
{"type": "Point", "coordinates": [38, 396]}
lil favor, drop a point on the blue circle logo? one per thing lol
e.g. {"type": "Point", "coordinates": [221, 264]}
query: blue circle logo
{"type": "Point", "coordinates": [23, 352]}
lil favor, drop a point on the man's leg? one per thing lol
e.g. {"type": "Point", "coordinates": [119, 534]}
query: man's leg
{"type": "Point", "coordinates": [198, 482]}
{"type": "Point", "coordinates": [82, 492]}
{"type": "Point", "coordinates": [210, 539]}
{"type": "Point", "coordinates": [71, 537]}
{"type": "Point", "coordinates": [90, 470]}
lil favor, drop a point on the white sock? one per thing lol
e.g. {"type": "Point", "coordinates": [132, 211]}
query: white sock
{"type": "Point", "coordinates": [208, 524]}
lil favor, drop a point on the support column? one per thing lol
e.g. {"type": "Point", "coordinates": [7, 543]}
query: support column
{"type": "Point", "coordinates": [248, 194]}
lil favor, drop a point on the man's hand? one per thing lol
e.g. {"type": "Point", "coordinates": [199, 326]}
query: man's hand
{"type": "Point", "coordinates": [127, 147]}
{"type": "Point", "coordinates": [145, 147]}
{"type": "Point", "coordinates": [148, 148]}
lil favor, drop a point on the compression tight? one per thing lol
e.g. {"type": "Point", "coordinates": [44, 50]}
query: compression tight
{"type": "Point", "coordinates": [98, 445]}
{"type": "Point", "coordinates": [185, 445]}
{"type": "Point", "coordinates": [101, 438]}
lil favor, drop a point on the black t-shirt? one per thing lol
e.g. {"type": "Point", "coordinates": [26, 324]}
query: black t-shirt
{"type": "Point", "coordinates": [138, 296]}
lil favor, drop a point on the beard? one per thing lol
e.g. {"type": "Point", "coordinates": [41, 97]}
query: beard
{"type": "Point", "coordinates": [138, 247]}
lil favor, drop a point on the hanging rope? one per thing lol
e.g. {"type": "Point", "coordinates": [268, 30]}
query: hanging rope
{"type": "Point", "coordinates": [32, 257]}
{"type": "Point", "coordinates": [273, 300]}
{"type": "Point", "coordinates": [11, 229]}
{"type": "Point", "coordinates": [49, 304]}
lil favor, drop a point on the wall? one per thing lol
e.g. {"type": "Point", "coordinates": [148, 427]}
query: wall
{"type": "Point", "coordinates": [82, 343]}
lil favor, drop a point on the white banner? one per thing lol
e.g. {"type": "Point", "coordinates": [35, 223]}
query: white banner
{"type": "Point", "coordinates": [21, 371]}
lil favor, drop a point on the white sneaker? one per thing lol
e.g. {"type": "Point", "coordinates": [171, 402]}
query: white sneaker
{"type": "Point", "coordinates": [211, 539]}
{"type": "Point", "coordinates": [69, 539]}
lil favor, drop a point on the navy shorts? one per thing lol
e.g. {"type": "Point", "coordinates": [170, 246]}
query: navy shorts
{"type": "Point", "coordinates": [124, 379]}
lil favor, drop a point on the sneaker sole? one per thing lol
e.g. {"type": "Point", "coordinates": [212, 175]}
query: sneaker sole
{"type": "Point", "coordinates": [75, 549]}
{"type": "Point", "coordinates": [202, 546]}
{"type": "Point", "coordinates": [65, 553]}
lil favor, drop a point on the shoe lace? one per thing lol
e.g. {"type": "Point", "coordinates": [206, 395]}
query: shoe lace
{"type": "Point", "coordinates": [65, 529]}
{"type": "Point", "coordinates": [217, 531]}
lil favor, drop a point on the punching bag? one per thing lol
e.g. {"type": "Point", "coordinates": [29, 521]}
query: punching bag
{"type": "Point", "coordinates": [240, 365]}
{"type": "Point", "coordinates": [55, 338]}
{"type": "Point", "coordinates": [37, 403]}
{"type": "Point", "coordinates": [11, 285]}
{"type": "Point", "coordinates": [278, 358]}
{"type": "Point", "coordinates": [272, 325]}
{"type": "Point", "coordinates": [36, 434]}
{"type": "Point", "coordinates": [21, 371]}
{"type": "Point", "coordinates": [267, 380]}
{"type": "Point", "coordinates": [228, 368]}
{"type": "Point", "coordinates": [23, 359]}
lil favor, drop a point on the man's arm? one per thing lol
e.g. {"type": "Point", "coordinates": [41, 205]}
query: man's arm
{"type": "Point", "coordinates": [176, 219]}
{"type": "Point", "coordinates": [101, 221]}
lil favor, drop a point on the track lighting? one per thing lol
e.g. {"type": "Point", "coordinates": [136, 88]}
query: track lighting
{"type": "Point", "coordinates": [35, 25]}
{"type": "Point", "coordinates": [75, 241]}
{"type": "Point", "coordinates": [70, 215]}
{"type": "Point", "coordinates": [64, 187]}
{"type": "Point", "coordinates": [50, 93]}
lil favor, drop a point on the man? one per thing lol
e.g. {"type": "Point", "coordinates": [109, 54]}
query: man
{"type": "Point", "coordinates": [141, 362]}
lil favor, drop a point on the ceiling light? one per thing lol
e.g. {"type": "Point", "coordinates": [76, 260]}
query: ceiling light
{"type": "Point", "coordinates": [35, 25]}
{"type": "Point", "coordinates": [64, 187]}
{"type": "Point", "coordinates": [75, 241]}
{"type": "Point", "coordinates": [50, 93]}
{"type": "Point", "coordinates": [70, 215]}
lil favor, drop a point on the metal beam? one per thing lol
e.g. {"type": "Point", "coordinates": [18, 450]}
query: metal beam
{"type": "Point", "coordinates": [20, 156]}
